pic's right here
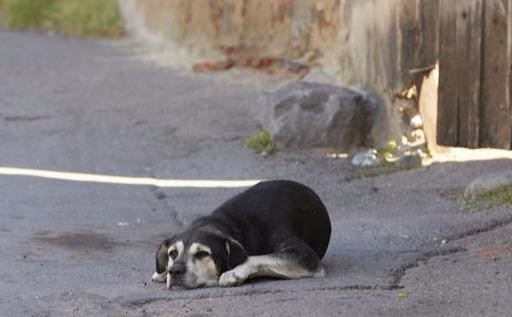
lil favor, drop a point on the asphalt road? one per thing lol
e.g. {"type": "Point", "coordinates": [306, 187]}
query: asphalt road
{"type": "Point", "coordinates": [401, 245]}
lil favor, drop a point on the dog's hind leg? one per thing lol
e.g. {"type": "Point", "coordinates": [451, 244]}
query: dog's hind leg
{"type": "Point", "coordinates": [295, 260]}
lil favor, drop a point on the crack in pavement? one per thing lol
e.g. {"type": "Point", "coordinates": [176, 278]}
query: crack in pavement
{"type": "Point", "coordinates": [162, 197]}
{"type": "Point", "coordinates": [478, 230]}
{"type": "Point", "coordinates": [398, 273]}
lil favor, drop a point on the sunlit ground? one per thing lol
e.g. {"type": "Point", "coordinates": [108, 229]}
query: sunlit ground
{"type": "Point", "coordinates": [453, 155]}
{"type": "Point", "coordinates": [467, 155]}
{"type": "Point", "coordinates": [124, 180]}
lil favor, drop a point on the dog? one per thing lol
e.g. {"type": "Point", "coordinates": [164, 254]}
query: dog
{"type": "Point", "coordinates": [277, 229]}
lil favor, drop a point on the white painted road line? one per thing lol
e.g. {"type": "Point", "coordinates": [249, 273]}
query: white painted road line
{"type": "Point", "coordinates": [124, 180]}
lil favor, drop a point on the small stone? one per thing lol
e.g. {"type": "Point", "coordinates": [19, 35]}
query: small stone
{"type": "Point", "coordinates": [416, 122]}
{"type": "Point", "coordinates": [365, 159]}
{"type": "Point", "coordinates": [404, 140]}
{"type": "Point", "coordinates": [402, 294]}
{"type": "Point", "coordinates": [410, 93]}
{"type": "Point", "coordinates": [418, 136]}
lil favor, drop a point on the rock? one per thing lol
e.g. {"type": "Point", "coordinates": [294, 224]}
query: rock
{"type": "Point", "coordinates": [418, 137]}
{"type": "Point", "coordinates": [416, 122]}
{"type": "Point", "coordinates": [365, 159]}
{"type": "Point", "coordinates": [487, 183]}
{"type": "Point", "coordinates": [313, 115]}
{"type": "Point", "coordinates": [415, 138]}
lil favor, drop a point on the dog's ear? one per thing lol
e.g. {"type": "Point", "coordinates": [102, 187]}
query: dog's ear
{"type": "Point", "coordinates": [162, 258]}
{"type": "Point", "coordinates": [236, 253]}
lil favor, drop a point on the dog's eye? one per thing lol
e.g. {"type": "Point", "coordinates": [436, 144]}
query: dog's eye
{"type": "Point", "coordinates": [201, 255]}
{"type": "Point", "coordinates": [173, 254]}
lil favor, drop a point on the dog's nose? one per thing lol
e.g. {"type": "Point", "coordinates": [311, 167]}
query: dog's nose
{"type": "Point", "coordinates": [177, 270]}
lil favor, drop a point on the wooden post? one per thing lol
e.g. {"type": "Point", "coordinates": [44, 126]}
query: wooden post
{"type": "Point", "coordinates": [460, 72]}
{"type": "Point", "coordinates": [509, 63]}
{"type": "Point", "coordinates": [429, 17]}
{"type": "Point", "coordinates": [496, 123]}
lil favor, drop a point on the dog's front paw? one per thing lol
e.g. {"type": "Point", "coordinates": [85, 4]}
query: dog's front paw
{"type": "Point", "coordinates": [233, 278]}
{"type": "Point", "coordinates": [159, 278]}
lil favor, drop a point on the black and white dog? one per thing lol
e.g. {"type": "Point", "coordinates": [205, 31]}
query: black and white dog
{"type": "Point", "coordinates": [275, 228]}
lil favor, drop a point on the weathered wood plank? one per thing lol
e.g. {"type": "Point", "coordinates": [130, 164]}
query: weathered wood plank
{"type": "Point", "coordinates": [469, 41]}
{"type": "Point", "coordinates": [460, 72]}
{"type": "Point", "coordinates": [509, 62]}
{"type": "Point", "coordinates": [495, 122]}
{"type": "Point", "coordinates": [429, 21]}
{"type": "Point", "coordinates": [447, 121]}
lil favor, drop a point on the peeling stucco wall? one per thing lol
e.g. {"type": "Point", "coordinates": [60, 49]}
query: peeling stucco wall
{"type": "Point", "coordinates": [286, 28]}
{"type": "Point", "coordinates": [360, 42]}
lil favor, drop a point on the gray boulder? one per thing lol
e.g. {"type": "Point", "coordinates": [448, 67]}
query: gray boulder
{"type": "Point", "coordinates": [313, 115]}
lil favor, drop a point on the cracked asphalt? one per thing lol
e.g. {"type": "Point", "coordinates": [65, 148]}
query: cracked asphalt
{"type": "Point", "coordinates": [401, 244]}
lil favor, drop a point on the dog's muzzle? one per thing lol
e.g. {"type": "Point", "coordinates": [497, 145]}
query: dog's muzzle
{"type": "Point", "coordinates": [177, 271]}
{"type": "Point", "coordinates": [179, 277]}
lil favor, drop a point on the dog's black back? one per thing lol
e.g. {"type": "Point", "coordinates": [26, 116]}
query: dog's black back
{"type": "Point", "coordinates": [264, 217]}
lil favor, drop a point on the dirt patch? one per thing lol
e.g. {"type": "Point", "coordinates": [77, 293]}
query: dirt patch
{"type": "Point", "coordinates": [495, 251]}
{"type": "Point", "coordinates": [82, 241]}
{"type": "Point", "coordinates": [25, 118]}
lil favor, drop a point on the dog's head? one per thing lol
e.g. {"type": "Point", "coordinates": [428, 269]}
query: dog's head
{"type": "Point", "coordinates": [197, 258]}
